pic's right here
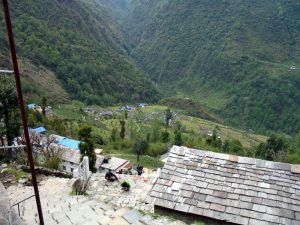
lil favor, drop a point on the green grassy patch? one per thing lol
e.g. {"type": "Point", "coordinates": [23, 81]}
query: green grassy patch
{"type": "Point", "coordinates": [17, 173]}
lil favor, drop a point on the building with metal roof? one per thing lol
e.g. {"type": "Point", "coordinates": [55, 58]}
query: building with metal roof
{"type": "Point", "coordinates": [229, 188]}
{"type": "Point", "coordinates": [40, 130]}
{"type": "Point", "coordinates": [70, 143]}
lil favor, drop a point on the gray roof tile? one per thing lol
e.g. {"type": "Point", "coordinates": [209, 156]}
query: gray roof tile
{"type": "Point", "coordinates": [230, 188]}
{"type": "Point", "coordinates": [182, 207]}
{"type": "Point", "coordinates": [195, 210]}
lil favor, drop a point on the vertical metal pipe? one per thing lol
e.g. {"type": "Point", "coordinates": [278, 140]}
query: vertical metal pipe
{"type": "Point", "coordinates": [22, 108]}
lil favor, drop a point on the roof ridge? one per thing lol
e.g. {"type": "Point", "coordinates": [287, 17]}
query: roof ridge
{"type": "Point", "coordinates": [259, 163]}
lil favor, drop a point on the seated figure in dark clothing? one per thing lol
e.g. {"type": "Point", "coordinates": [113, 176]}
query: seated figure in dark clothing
{"type": "Point", "coordinates": [139, 169]}
{"type": "Point", "coordinates": [110, 176]}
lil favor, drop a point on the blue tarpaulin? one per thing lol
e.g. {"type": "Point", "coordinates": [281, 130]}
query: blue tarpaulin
{"type": "Point", "coordinates": [70, 143]}
{"type": "Point", "coordinates": [31, 106]}
{"type": "Point", "coordinates": [40, 130]}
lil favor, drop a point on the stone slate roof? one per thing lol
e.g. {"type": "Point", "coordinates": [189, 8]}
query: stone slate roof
{"type": "Point", "coordinates": [68, 154]}
{"type": "Point", "coordinates": [115, 164]}
{"type": "Point", "coordinates": [229, 188]}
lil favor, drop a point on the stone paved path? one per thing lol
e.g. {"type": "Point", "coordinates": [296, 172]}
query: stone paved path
{"type": "Point", "coordinates": [104, 191]}
{"type": "Point", "coordinates": [105, 204]}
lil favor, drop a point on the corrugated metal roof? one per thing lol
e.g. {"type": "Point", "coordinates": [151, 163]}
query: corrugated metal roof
{"type": "Point", "coordinates": [39, 129]}
{"type": "Point", "coordinates": [70, 143]}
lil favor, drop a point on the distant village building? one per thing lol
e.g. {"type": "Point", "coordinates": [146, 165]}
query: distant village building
{"type": "Point", "coordinates": [89, 110]}
{"type": "Point", "coordinates": [233, 189]}
{"type": "Point", "coordinates": [70, 152]}
{"type": "Point", "coordinates": [107, 115]}
{"type": "Point", "coordinates": [71, 157]}
{"type": "Point", "coordinates": [115, 164]}
{"type": "Point", "coordinates": [48, 110]}
{"type": "Point", "coordinates": [39, 130]}
{"type": "Point", "coordinates": [128, 108]}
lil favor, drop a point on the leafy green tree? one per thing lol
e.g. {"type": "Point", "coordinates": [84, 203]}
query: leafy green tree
{"type": "Point", "coordinates": [148, 137]}
{"type": "Point", "coordinates": [236, 147]}
{"type": "Point", "coordinates": [169, 116]}
{"type": "Point", "coordinates": [178, 134]}
{"type": "Point", "coordinates": [113, 136]}
{"type": "Point", "coordinates": [10, 122]}
{"type": "Point", "coordinates": [125, 114]}
{"type": "Point", "coordinates": [226, 146]}
{"type": "Point", "coordinates": [140, 147]}
{"type": "Point", "coordinates": [165, 136]}
{"type": "Point", "coordinates": [38, 116]}
{"type": "Point", "coordinates": [122, 132]}
{"type": "Point", "coordinates": [297, 140]}
{"type": "Point", "coordinates": [178, 138]}
{"type": "Point", "coordinates": [131, 126]}
{"type": "Point", "coordinates": [99, 140]}
{"type": "Point", "coordinates": [155, 129]}
{"type": "Point", "coordinates": [31, 120]}
{"type": "Point", "coordinates": [274, 148]}
{"type": "Point", "coordinates": [87, 149]}
{"type": "Point", "coordinates": [214, 140]}
{"type": "Point", "coordinates": [84, 133]}
{"type": "Point", "coordinates": [58, 126]}
{"type": "Point", "coordinates": [44, 105]}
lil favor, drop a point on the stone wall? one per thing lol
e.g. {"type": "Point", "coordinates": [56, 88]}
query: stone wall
{"type": "Point", "coordinates": [4, 209]}
{"type": "Point", "coordinates": [48, 172]}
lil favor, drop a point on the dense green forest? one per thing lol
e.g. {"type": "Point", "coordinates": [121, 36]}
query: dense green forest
{"type": "Point", "coordinates": [230, 60]}
{"type": "Point", "coordinates": [234, 56]}
{"type": "Point", "coordinates": [82, 44]}
{"type": "Point", "coordinates": [118, 8]}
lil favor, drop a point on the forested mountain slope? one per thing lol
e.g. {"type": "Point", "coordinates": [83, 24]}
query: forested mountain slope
{"type": "Point", "coordinates": [234, 56]}
{"type": "Point", "coordinates": [118, 9]}
{"type": "Point", "coordinates": [81, 43]}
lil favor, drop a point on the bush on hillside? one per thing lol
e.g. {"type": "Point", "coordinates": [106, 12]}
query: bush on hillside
{"type": "Point", "coordinates": [157, 149]}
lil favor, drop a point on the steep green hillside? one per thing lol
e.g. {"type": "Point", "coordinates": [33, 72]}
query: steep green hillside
{"type": "Point", "coordinates": [117, 8]}
{"type": "Point", "coordinates": [139, 15]}
{"type": "Point", "coordinates": [232, 56]}
{"type": "Point", "coordinates": [82, 45]}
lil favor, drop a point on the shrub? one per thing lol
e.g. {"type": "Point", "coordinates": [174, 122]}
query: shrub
{"type": "Point", "coordinates": [150, 162]}
{"type": "Point", "coordinates": [53, 163]}
{"type": "Point", "coordinates": [126, 144]}
{"type": "Point", "coordinates": [165, 136]}
{"type": "Point", "coordinates": [98, 140]}
{"type": "Point", "coordinates": [157, 149]}
{"type": "Point", "coordinates": [125, 184]}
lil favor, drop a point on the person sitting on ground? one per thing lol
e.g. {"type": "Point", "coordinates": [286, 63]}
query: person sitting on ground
{"type": "Point", "coordinates": [109, 176]}
{"type": "Point", "coordinates": [139, 169]}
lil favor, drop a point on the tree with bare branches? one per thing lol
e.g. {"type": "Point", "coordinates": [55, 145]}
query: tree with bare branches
{"type": "Point", "coordinates": [44, 148]}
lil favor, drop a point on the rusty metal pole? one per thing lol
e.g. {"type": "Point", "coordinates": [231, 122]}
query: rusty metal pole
{"type": "Point", "coordinates": [22, 108]}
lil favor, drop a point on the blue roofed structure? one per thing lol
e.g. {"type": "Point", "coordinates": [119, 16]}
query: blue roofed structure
{"type": "Point", "coordinates": [31, 106]}
{"type": "Point", "coordinates": [70, 143]}
{"type": "Point", "coordinates": [40, 130]}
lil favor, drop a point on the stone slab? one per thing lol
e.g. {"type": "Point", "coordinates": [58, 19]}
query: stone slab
{"type": "Point", "coordinates": [132, 216]}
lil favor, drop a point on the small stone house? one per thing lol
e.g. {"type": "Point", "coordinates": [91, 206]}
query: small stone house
{"type": "Point", "coordinates": [115, 164]}
{"type": "Point", "coordinates": [228, 188]}
{"type": "Point", "coordinates": [70, 153]}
